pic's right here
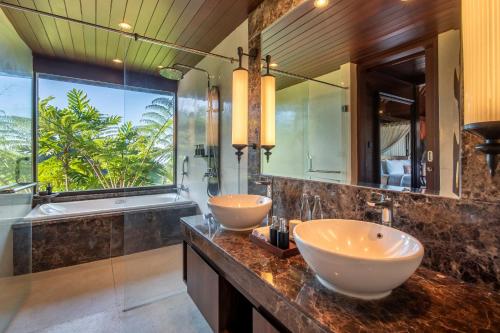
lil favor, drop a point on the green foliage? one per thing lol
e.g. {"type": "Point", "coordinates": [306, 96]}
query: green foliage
{"type": "Point", "coordinates": [81, 148]}
{"type": "Point", "coordinates": [15, 144]}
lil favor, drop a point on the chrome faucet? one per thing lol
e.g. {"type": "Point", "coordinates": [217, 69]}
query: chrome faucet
{"type": "Point", "coordinates": [378, 200]}
{"type": "Point", "coordinates": [268, 182]}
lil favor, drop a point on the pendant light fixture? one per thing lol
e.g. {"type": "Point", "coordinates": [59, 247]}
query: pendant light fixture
{"type": "Point", "coordinates": [268, 111]}
{"type": "Point", "coordinates": [481, 56]}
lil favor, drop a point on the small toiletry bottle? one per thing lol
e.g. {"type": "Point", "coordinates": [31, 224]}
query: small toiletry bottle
{"type": "Point", "coordinates": [273, 231]}
{"type": "Point", "coordinates": [283, 235]}
{"type": "Point", "coordinates": [317, 212]}
{"type": "Point", "coordinates": [49, 189]}
{"type": "Point", "coordinates": [305, 208]}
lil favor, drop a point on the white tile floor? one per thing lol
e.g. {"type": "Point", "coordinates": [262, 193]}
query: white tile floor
{"type": "Point", "coordinates": [91, 297]}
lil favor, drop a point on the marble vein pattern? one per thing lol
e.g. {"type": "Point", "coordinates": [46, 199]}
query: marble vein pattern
{"type": "Point", "coordinates": [287, 288]}
{"type": "Point", "coordinates": [64, 242]}
{"type": "Point", "coordinates": [461, 236]}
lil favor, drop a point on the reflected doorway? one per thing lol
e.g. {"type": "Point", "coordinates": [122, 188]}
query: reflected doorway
{"type": "Point", "coordinates": [399, 120]}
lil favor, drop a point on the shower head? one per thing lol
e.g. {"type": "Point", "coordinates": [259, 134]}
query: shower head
{"type": "Point", "coordinates": [171, 73]}
{"type": "Point", "coordinates": [194, 68]}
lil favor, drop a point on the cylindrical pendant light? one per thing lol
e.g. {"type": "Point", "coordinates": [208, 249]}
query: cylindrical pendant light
{"type": "Point", "coordinates": [240, 111]}
{"type": "Point", "coordinates": [268, 111]}
{"type": "Point", "coordinates": [481, 57]}
{"type": "Point", "coordinates": [240, 107]}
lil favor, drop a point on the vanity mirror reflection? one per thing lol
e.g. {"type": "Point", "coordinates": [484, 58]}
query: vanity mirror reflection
{"type": "Point", "coordinates": [374, 98]}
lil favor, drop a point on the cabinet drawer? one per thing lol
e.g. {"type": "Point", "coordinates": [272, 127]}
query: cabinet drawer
{"type": "Point", "coordinates": [203, 287]}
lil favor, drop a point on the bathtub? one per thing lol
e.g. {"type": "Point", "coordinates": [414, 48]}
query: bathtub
{"type": "Point", "coordinates": [51, 211]}
{"type": "Point", "coordinates": [61, 234]}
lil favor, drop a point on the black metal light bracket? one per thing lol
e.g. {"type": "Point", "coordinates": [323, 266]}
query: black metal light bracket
{"type": "Point", "coordinates": [267, 152]}
{"type": "Point", "coordinates": [490, 132]}
{"type": "Point", "coordinates": [239, 151]}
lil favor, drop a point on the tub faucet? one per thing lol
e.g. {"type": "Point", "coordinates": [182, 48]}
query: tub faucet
{"type": "Point", "coordinates": [17, 171]}
{"type": "Point", "coordinates": [182, 188]}
{"type": "Point", "coordinates": [378, 200]}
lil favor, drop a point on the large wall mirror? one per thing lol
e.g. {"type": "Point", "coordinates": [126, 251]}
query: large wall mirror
{"type": "Point", "coordinates": [368, 93]}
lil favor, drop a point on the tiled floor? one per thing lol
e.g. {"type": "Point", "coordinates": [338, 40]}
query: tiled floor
{"type": "Point", "coordinates": [91, 297]}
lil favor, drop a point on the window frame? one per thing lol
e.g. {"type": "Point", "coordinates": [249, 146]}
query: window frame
{"type": "Point", "coordinates": [152, 188]}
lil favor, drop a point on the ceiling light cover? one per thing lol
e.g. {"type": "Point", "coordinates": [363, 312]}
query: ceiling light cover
{"type": "Point", "coordinates": [125, 25]}
{"type": "Point", "coordinates": [320, 3]}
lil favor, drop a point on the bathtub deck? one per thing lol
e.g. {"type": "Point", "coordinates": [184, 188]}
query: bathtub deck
{"type": "Point", "coordinates": [91, 297]}
{"type": "Point", "coordinates": [71, 241]}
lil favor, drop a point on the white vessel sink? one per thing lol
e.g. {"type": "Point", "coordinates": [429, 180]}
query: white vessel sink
{"type": "Point", "coordinates": [240, 212]}
{"type": "Point", "coordinates": [358, 259]}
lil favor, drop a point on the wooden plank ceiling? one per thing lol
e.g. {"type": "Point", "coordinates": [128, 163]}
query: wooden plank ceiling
{"type": "Point", "coordinates": [312, 41]}
{"type": "Point", "coordinates": [200, 24]}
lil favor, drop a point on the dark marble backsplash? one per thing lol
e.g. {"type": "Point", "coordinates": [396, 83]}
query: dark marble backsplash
{"type": "Point", "coordinates": [461, 236]}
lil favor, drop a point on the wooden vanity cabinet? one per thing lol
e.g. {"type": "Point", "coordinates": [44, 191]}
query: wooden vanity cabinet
{"type": "Point", "coordinates": [223, 306]}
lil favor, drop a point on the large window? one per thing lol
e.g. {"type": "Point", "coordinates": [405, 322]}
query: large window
{"type": "Point", "coordinates": [102, 136]}
{"type": "Point", "coordinates": [15, 129]}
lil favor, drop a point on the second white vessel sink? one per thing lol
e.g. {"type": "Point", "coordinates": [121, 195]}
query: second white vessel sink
{"type": "Point", "coordinates": [240, 212]}
{"type": "Point", "coordinates": [359, 259]}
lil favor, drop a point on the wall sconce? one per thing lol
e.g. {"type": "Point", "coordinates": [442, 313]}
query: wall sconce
{"type": "Point", "coordinates": [481, 56]}
{"type": "Point", "coordinates": [239, 137]}
{"type": "Point", "coordinates": [268, 111]}
{"type": "Point", "coordinates": [240, 107]}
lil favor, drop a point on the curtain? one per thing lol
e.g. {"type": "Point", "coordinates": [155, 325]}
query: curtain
{"type": "Point", "coordinates": [391, 133]}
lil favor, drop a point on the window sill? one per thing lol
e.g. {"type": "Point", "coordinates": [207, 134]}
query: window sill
{"type": "Point", "coordinates": [108, 193]}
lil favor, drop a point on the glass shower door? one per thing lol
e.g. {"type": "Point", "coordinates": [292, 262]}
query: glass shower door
{"type": "Point", "coordinates": [149, 270]}
{"type": "Point", "coordinates": [327, 131]}
{"type": "Point", "coordinates": [14, 260]}
{"type": "Point", "coordinates": [16, 172]}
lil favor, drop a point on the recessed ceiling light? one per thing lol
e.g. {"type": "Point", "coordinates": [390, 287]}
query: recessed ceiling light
{"type": "Point", "coordinates": [320, 3]}
{"type": "Point", "coordinates": [117, 61]}
{"type": "Point", "coordinates": [125, 25]}
{"type": "Point", "coordinates": [273, 64]}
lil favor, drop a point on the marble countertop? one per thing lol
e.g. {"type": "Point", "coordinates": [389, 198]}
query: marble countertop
{"type": "Point", "coordinates": [288, 290]}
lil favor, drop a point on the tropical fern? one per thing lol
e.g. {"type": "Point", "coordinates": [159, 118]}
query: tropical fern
{"type": "Point", "coordinates": [81, 148]}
